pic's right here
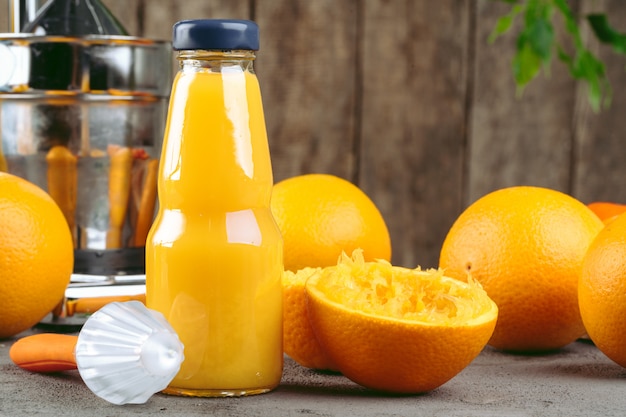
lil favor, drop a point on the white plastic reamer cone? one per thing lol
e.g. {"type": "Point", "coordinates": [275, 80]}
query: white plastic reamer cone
{"type": "Point", "coordinates": [126, 353]}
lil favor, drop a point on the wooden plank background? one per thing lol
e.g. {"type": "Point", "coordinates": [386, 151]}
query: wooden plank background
{"type": "Point", "coordinates": [408, 100]}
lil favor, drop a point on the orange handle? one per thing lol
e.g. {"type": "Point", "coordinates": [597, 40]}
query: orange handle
{"type": "Point", "coordinates": [91, 305]}
{"type": "Point", "coordinates": [46, 352]}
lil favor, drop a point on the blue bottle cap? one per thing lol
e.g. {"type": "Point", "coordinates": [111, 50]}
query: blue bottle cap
{"type": "Point", "coordinates": [214, 34]}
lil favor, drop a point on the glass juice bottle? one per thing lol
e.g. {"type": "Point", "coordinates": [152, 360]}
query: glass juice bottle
{"type": "Point", "coordinates": [214, 253]}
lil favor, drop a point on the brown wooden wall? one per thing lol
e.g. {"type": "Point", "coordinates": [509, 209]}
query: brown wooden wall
{"type": "Point", "coordinates": [408, 100]}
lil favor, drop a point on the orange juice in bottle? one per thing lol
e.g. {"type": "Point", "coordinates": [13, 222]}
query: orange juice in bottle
{"type": "Point", "coordinates": [214, 252]}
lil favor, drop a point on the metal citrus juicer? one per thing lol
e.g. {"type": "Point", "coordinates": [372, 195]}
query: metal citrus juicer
{"type": "Point", "coordinates": [82, 113]}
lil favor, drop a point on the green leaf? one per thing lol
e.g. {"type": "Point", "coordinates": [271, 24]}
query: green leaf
{"type": "Point", "coordinates": [537, 42]}
{"type": "Point", "coordinates": [570, 20]}
{"type": "Point", "coordinates": [606, 34]}
{"type": "Point", "coordinates": [504, 24]}
{"type": "Point", "coordinates": [565, 57]}
{"type": "Point", "coordinates": [540, 35]}
{"type": "Point", "coordinates": [592, 70]}
{"type": "Point", "coordinates": [534, 43]}
{"type": "Point", "coordinates": [586, 67]}
{"type": "Point", "coordinates": [526, 65]}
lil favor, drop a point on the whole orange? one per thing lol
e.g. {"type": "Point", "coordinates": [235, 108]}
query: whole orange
{"type": "Point", "coordinates": [602, 290]}
{"type": "Point", "coordinates": [320, 216]}
{"type": "Point", "coordinates": [37, 254]}
{"type": "Point", "coordinates": [525, 245]}
{"type": "Point", "coordinates": [396, 329]}
{"type": "Point", "coordinates": [607, 210]}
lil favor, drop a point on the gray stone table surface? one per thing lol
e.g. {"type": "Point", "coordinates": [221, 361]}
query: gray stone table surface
{"type": "Point", "coordinates": [576, 381]}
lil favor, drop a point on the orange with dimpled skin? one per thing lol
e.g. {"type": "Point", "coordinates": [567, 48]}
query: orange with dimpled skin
{"type": "Point", "coordinates": [525, 245]}
{"type": "Point", "coordinates": [37, 254]}
{"type": "Point", "coordinates": [602, 290]}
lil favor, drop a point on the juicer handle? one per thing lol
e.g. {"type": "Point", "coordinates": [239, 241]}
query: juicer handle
{"type": "Point", "coordinates": [93, 304]}
{"type": "Point", "coordinates": [46, 352]}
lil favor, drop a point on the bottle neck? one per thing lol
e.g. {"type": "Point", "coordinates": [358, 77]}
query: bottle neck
{"type": "Point", "coordinates": [216, 61]}
{"type": "Point", "coordinates": [215, 136]}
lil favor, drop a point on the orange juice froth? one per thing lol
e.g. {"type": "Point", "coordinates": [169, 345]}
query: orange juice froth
{"type": "Point", "coordinates": [214, 254]}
